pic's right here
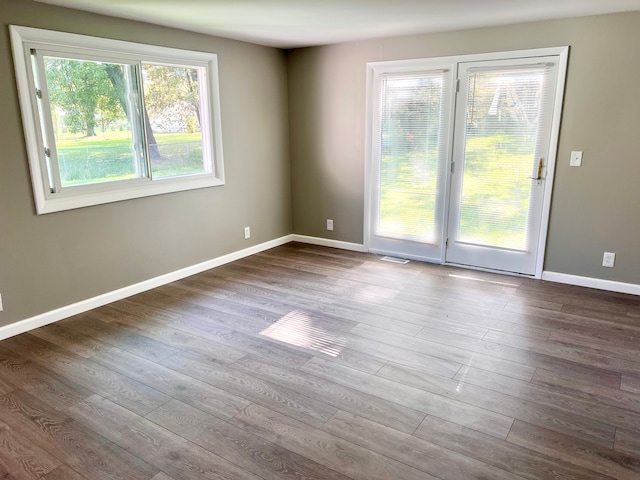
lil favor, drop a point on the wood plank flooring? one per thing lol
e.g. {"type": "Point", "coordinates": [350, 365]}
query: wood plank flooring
{"type": "Point", "coordinates": [306, 362]}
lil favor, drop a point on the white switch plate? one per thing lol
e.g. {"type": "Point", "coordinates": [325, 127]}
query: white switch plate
{"type": "Point", "coordinates": [1, 308]}
{"type": "Point", "coordinates": [247, 232]}
{"type": "Point", "coordinates": [608, 259]}
{"type": "Point", "coordinates": [576, 159]}
{"type": "Point", "coordinates": [329, 224]}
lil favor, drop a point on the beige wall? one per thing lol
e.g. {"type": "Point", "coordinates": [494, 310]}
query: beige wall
{"type": "Point", "coordinates": [595, 207]}
{"type": "Point", "coordinates": [53, 260]}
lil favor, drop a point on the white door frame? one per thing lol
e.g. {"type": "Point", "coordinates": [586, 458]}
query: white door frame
{"type": "Point", "coordinates": [375, 69]}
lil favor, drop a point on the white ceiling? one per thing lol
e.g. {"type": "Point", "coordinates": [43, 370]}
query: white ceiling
{"type": "Point", "coordinates": [299, 23]}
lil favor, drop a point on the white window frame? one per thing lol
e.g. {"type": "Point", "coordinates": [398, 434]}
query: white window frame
{"type": "Point", "coordinates": [24, 39]}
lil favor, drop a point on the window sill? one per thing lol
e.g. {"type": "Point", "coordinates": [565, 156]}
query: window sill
{"type": "Point", "coordinates": [60, 202]}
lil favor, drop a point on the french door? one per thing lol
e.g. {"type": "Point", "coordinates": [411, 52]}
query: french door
{"type": "Point", "coordinates": [412, 152]}
{"type": "Point", "coordinates": [462, 157]}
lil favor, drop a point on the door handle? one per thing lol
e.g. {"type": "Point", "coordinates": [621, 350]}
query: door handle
{"type": "Point", "coordinates": [540, 167]}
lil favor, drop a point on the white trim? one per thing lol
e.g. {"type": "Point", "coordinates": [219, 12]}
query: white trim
{"type": "Point", "coordinates": [327, 242]}
{"type": "Point", "coordinates": [52, 316]}
{"type": "Point", "coordinates": [550, 169]}
{"type": "Point", "coordinates": [391, 66]}
{"type": "Point", "coordinates": [368, 153]}
{"type": "Point", "coordinates": [590, 282]}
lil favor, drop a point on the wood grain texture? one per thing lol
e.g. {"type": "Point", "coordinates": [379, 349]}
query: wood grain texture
{"type": "Point", "coordinates": [568, 384]}
{"type": "Point", "coordinates": [237, 445]}
{"type": "Point", "coordinates": [57, 392]}
{"type": "Point", "coordinates": [462, 413]}
{"type": "Point", "coordinates": [166, 451]}
{"type": "Point", "coordinates": [307, 362]}
{"type": "Point", "coordinates": [599, 459]}
{"type": "Point", "coordinates": [627, 442]}
{"type": "Point", "coordinates": [69, 441]}
{"type": "Point", "coordinates": [90, 375]}
{"type": "Point", "coordinates": [324, 448]}
{"type": "Point", "coordinates": [428, 457]}
{"type": "Point", "coordinates": [21, 458]}
{"type": "Point", "coordinates": [172, 383]}
{"type": "Point", "coordinates": [63, 472]}
{"type": "Point", "coordinates": [571, 404]}
{"type": "Point", "coordinates": [508, 456]}
{"type": "Point", "coordinates": [270, 395]}
{"type": "Point", "coordinates": [630, 382]}
{"type": "Point", "coordinates": [448, 346]}
{"type": "Point", "coordinates": [119, 335]}
{"type": "Point", "coordinates": [345, 398]}
{"type": "Point", "coordinates": [506, 404]}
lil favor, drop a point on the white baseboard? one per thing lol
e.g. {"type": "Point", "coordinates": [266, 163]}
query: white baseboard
{"type": "Point", "coordinates": [100, 300]}
{"type": "Point", "coordinates": [590, 282]}
{"type": "Point", "coordinates": [327, 242]}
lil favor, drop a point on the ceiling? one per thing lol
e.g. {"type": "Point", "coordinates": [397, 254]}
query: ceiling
{"type": "Point", "coordinates": [300, 23]}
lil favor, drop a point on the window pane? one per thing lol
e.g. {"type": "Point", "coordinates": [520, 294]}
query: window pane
{"type": "Point", "coordinates": [174, 132]}
{"type": "Point", "coordinates": [501, 141]}
{"type": "Point", "coordinates": [412, 156]}
{"type": "Point", "coordinates": [91, 118]}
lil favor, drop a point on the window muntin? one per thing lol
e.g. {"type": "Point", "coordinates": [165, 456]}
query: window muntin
{"type": "Point", "coordinates": [154, 110]}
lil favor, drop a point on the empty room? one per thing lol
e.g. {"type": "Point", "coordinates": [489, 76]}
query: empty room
{"type": "Point", "coordinates": [271, 239]}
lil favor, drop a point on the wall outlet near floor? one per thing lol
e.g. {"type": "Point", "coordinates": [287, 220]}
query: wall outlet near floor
{"type": "Point", "coordinates": [609, 259]}
{"type": "Point", "coordinates": [329, 224]}
{"type": "Point", "coordinates": [1, 308]}
{"type": "Point", "coordinates": [247, 232]}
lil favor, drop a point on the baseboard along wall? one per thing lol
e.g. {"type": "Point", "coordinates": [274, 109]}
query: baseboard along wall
{"type": "Point", "coordinates": [67, 311]}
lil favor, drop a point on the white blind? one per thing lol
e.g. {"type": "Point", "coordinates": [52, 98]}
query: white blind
{"type": "Point", "coordinates": [503, 148]}
{"type": "Point", "coordinates": [414, 108]}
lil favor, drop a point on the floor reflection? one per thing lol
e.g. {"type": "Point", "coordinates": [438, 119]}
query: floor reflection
{"type": "Point", "coordinates": [493, 282]}
{"type": "Point", "coordinates": [297, 328]}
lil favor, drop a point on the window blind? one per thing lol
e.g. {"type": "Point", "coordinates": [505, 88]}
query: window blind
{"type": "Point", "coordinates": [413, 153]}
{"type": "Point", "coordinates": [502, 154]}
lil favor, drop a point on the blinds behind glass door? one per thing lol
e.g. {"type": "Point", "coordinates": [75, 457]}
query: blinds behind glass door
{"type": "Point", "coordinates": [413, 151]}
{"type": "Point", "coordinates": [503, 149]}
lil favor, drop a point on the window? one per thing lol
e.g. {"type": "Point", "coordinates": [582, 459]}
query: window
{"type": "Point", "coordinates": [107, 120]}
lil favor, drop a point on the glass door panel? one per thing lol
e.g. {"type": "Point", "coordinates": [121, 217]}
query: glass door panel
{"type": "Point", "coordinates": [502, 140]}
{"type": "Point", "coordinates": [407, 211]}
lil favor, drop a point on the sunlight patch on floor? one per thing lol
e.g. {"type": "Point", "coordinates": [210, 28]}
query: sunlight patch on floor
{"type": "Point", "coordinates": [297, 328]}
{"type": "Point", "coordinates": [464, 277]}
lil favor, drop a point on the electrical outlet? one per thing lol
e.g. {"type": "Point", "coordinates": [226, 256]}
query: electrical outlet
{"type": "Point", "coordinates": [329, 224]}
{"type": "Point", "coordinates": [1, 308]}
{"type": "Point", "coordinates": [247, 232]}
{"type": "Point", "coordinates": [609, 259]}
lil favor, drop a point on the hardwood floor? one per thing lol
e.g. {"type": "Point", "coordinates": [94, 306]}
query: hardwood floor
{"type": "Point", "coordinates": [305, 362]}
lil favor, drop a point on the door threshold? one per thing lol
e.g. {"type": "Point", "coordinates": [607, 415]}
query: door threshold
{"type": "Point", "coordinates": [401, 261]}
{"type": "Point", "coordinates": [490, 270]}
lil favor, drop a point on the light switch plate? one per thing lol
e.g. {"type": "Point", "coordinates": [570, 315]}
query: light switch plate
{"type": "Point", "coordinates": [576, 159]}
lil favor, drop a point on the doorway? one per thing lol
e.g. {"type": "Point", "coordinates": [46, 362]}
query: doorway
{"type": "Point", "coordinates": [461, 158]}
